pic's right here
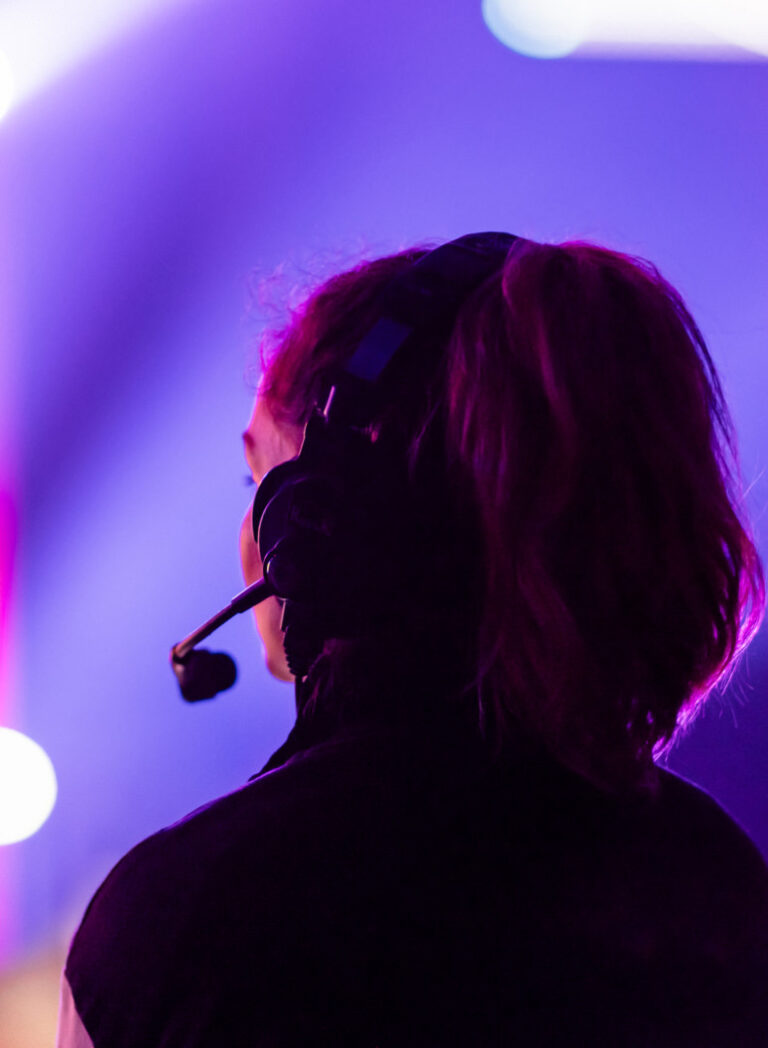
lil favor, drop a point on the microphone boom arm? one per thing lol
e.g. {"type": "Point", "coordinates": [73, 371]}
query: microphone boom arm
{"type": "Point", "coordinates": [248, 598]}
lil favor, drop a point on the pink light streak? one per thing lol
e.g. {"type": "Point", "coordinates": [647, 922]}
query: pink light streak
{"type": "Point", "coordinates": [8, 551]}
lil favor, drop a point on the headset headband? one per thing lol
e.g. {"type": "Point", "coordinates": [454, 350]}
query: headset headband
{"type": "Point", "coordinates": [428, 293]}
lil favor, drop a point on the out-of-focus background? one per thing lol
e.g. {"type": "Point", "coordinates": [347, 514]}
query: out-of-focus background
{"type": "Point", "coordinates": [156, 159]}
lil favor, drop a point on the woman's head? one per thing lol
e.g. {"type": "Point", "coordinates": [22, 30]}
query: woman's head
{"type": "Point", "coordinates": [574, 435]}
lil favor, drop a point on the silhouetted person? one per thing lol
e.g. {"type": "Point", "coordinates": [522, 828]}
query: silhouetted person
{"type": "Point", "coordinates": [465, 839]}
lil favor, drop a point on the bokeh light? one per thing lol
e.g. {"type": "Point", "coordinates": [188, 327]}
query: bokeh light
{"type": "Point", "coordinates": [712, 29]}
{"type": "Point", "coordinates": [539, 28]}
{"type": "Point", "coordinates": [27, 786]}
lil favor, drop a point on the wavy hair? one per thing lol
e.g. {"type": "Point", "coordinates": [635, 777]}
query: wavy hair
{"type": "Point", "coordinates": [586, 444]}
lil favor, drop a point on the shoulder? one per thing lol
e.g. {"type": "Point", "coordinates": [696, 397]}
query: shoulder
{"type": "Point", "coordinates": [231, 839]}
{"type": "Point", "coordinates": [193, 913]}
{"type": "Point", "coordinates": [260, 834]}
{"type": "Point", "coordinates": [713, 880]}
{"type": "Point", "coordinates": [697, 826]}
{"type": "Point", "coordinates": [714, 885]}
{"type": "Point", "coordinates": [229, 910]}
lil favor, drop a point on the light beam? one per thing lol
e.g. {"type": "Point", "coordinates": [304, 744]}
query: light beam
{"type": "Point", "coordinates": [42, 39]}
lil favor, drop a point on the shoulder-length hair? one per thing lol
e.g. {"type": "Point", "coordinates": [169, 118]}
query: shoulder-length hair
{"type": "Point", "coordinates": [587, 442]}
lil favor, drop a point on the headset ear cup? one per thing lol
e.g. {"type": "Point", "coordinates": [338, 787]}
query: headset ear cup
{"type": "Point", "coordinates": [294, 520]}
{"type": "Point", "coordinates": [266, 491]}
{"type": "Point", "coordinates": [335, 531]}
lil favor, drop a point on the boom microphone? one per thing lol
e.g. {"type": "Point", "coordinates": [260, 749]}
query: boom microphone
{"type": "Point", "coordinates": [203, 674]}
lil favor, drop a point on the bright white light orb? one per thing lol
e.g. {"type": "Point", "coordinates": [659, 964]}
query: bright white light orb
{"type": "Point", "coordinates": [539, 28]}
{"type": "Point", "coordinates": [6, 85]}
{"type": "Point", "coordinates": [27, 786]}
{"type": "Point", "coordinates": [734, 30]}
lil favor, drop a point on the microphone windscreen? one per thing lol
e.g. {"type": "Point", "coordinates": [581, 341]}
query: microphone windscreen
{"type": "Point", "coordinates": [204, 674]}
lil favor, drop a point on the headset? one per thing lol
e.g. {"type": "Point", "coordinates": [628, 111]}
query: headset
{"type": "Point", "coordinates": [333, 524]}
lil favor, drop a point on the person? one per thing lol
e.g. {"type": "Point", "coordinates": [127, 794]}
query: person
{"type": "Point", "coordinates": [468, 837]}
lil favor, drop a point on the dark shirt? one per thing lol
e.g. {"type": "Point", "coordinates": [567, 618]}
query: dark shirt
{"type": "Point", "coordinates": [390, 884]}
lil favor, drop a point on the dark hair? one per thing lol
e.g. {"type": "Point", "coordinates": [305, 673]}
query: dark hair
{"type": "Point", "coordinates": [588, 446]}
